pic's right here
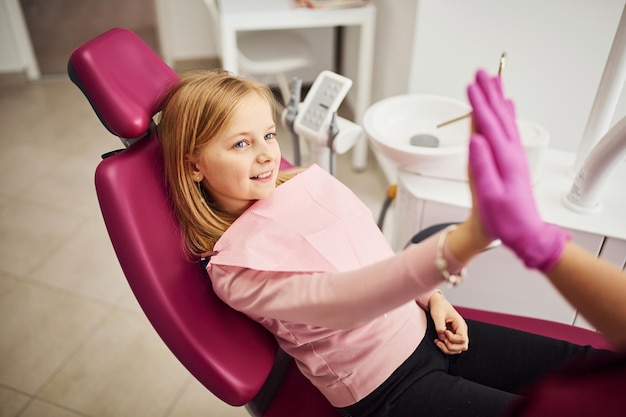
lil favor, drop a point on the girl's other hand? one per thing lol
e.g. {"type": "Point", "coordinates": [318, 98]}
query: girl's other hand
{"type": "Point", "coordinates": [451, 328]}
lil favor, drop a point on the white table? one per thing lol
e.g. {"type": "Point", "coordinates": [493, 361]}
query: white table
{"type": "Point", "coordinates": [245, 15]}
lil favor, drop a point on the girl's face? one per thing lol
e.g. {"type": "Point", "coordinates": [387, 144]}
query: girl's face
{"type": "Point", "coordinates": [240, 166]}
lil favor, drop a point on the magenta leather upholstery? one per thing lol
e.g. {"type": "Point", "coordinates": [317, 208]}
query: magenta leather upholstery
{"type": "Point", "coordinates": [547, 328]}
{"type": "Point", "coordinates": [227, 352]}
{"type": "Point", "coordinates": [123, 79]}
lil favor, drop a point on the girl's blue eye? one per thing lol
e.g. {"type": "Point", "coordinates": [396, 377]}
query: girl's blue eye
{"type": "Point", "coordinates": [270, 136]}
{"type": "Point", "coordinates": [240, 144]}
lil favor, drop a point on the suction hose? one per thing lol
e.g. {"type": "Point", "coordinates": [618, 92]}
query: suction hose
{"type": "Point", "coordinates": [392, 190]}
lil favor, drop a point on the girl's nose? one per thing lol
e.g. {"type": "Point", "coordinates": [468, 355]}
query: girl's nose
{"type": "Point", "coordinates": [265, 153]}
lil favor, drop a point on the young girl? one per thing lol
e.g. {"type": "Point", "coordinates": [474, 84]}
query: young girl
{"type": "Point", "coordinates": [299, 253]}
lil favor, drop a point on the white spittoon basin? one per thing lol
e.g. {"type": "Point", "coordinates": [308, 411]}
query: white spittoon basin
{"type": "Point", "coordinates": [396, 124]}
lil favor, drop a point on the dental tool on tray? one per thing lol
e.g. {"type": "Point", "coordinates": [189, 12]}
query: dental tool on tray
{"type": "Point", "coordinates": [465, 116]}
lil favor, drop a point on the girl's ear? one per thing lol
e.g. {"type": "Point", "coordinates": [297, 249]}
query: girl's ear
{"type": "Point", "coordinates": [194, 171]}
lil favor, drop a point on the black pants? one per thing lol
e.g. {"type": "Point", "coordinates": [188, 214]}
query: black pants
{"type": "Point", "coordinates": [500, 362]}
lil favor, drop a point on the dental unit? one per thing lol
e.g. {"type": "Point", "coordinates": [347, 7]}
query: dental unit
{"type": "Point", "coordinates": [315, 120]}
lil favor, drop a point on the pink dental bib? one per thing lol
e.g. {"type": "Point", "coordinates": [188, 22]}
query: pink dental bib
{"type": "Point", "coordinates": [311, 223]}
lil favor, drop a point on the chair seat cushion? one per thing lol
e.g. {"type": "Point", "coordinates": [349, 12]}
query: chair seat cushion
{"type": "Point", "coordinates": [547, 328]}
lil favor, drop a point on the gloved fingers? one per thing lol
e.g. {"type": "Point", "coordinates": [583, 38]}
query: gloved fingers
{"type": "Point", "coordinates": [516, 155]}
{"type": "Point", "coordinates": [495, 118]}
{"type": "Point", "coordinates": [486, 184]}
{"type": "Point", "coordinates": [508, 118]}
{"type": "Point", "coordinates": [484, 170]}
{"type": "Point", "coordinates": [484, 102]}
{"type": "Point", "coordinates": [482, 113]}
{"type": "Point", "coordinates": [502, 108]}
{"type": "Point", "coordinates": [487, 122]}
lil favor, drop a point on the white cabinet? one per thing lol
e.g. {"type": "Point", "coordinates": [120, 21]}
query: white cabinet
{"type": "Point", "coordinates": [16, 50]}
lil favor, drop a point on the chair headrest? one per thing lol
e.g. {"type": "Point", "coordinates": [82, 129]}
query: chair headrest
{"type": "Point", "coordinates": [123, 79]}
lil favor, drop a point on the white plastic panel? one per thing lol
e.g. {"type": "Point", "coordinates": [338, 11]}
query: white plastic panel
{"type": "Point", "coordinates": [614, 251]}
{"type": "Point", "coordinates": [407, 218]}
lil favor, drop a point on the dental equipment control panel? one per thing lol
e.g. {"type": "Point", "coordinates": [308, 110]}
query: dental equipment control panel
{"type": "Point", "coordinates": [316, 121]}
{"type": "Point", "coordinates": [323, 99]}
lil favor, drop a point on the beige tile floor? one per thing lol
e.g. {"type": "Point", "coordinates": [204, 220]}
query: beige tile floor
{"type": "Point", "coordinates": [73, 341]}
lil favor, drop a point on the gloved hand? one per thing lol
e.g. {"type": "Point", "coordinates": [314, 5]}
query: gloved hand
{"type": "Point", "coordinates": [500, 179]}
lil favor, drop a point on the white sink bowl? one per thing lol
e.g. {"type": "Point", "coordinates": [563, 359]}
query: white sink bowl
{"type": "Point", "coordinates": [391, 123]}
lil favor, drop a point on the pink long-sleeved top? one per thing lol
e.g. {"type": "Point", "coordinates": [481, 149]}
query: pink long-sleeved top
{"type": "Point", "coordinates": [310, 264]}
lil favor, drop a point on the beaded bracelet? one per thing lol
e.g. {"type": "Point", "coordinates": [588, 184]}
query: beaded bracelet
{"type": "Point", "coordinates": [442, 265]}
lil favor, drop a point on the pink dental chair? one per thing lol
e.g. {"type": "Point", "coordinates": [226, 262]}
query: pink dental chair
{"type": "Point", "coordinates": [231, 355]}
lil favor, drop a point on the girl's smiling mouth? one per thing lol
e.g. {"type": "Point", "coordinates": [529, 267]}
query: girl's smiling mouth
{"type": "Point", "coordinates": [262, 176]}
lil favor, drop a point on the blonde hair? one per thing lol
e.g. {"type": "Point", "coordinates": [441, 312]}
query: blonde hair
{"type": "Point", "coordinates": [194, 112]}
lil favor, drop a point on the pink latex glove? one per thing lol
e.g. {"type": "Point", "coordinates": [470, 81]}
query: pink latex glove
{"type": "Point", "coordinates": [501, 181]}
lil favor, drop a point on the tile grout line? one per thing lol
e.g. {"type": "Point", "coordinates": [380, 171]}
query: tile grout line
{"type": "Point", "coordinates": [68, 358]}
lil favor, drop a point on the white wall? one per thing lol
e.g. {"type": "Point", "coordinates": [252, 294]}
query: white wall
{"type": "Point", "coordinates": [16, 52]}
{"type": "Point", "coordinates": [395, 28]}
{"type": "Point", "coordinates": [184, 30]}
{"type": "Point", "coordinates": [185, 33]}
{"type": "Point", "coordinates": [556, 51]}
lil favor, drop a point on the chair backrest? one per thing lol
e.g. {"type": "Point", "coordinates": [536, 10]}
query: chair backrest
{"type": "Point", "coordinates": [125, 81]}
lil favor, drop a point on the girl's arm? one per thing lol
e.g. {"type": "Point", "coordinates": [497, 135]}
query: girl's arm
{"type": "Point", "coordinates": [468, 239]}
{"type": "Point", "coordinates": [464, 242]}
{"type": "Point", "coordinates": [340, 299]}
